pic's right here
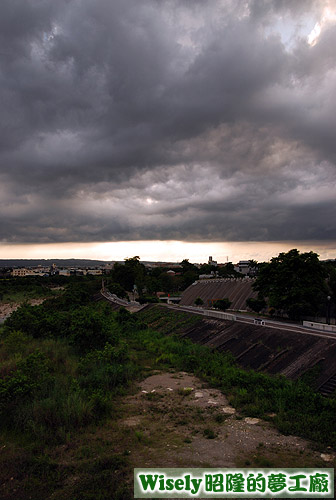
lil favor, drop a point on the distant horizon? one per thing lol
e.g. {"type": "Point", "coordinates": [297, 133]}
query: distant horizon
{"type": "Point", "coordinates": [165, 251]}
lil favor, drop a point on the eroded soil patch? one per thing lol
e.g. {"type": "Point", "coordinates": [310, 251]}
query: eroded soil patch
{"type": "Point", "coordinates": [172, 420]}
{"type": "Point", "coordinates": [181, 422]}
{"type": "Point", "coordinates": [6, 308]}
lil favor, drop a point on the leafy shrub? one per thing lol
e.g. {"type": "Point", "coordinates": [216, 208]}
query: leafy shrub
{"type": "Point", "coordinates": [256, 304]}
{"type": "Point", "coordinates": [222, 304]}
{"type": "Point", "coordinates": [16, 342]}
{"type": "Point", "coordinates": [87, 327]}
{"type": "Point", "coordinates": [101, 403]}
{"type": "Point", "coordinates": [209, 433]}
{"type": "Point", "coordinates": [117, 289]}
{"type": "Point", "coordinates": [129, 322]}
{"type": "Point", "coordinates": [106, 369]}
{"type": "Point", "coordinates": [29, 379]}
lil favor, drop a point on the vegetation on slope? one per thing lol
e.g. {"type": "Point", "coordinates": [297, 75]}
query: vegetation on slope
{"type": "Point", "coordinates": [66, 363]}
{"type": "Point", "coordinates": [299, 410]}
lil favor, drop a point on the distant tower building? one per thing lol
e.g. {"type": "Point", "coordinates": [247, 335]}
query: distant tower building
{"type": "Point", "coordinates": [53, 269]}
{"type": "Point", "coordinates": [212, 262]}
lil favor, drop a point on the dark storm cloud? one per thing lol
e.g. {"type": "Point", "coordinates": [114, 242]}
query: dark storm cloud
{"type": "Point", "coordinates": [183, 120]}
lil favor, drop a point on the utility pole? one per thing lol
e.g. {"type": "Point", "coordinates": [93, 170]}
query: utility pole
{"type": "Point", "coordinates": [328, 310]}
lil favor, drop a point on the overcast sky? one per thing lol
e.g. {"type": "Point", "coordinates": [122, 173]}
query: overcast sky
{"type": "Point", "coordinates": [189, 120]}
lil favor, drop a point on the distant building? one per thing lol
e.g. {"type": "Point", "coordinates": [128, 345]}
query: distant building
{"type": "Point", "coordinates": [53, 269]}
{"type": "Point", "coordinates": [244, 267]}
{"type": "Point", "coordinates": [39, 271]}
{"type": "Point", "coordinates": [19, 272]}
{"type": "Point", "coordinates": [94, 272]}
{"type": "Point", "coordinates": [107, 268]}
{"type": "Point", "coordinates": [64, 272]}
{"type": "Point", "coordinates": [212, 262]}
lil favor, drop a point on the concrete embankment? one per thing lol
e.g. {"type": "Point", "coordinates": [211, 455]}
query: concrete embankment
{"type": "Point", "coordinates": [262, 348]}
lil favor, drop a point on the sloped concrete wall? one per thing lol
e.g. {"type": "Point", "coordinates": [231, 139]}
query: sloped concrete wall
{"type": "Point", "coordinates": [236, 290]}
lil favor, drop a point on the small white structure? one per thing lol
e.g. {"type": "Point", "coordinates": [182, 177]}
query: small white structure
{"type": "Point", "coordinates": [259, 321]}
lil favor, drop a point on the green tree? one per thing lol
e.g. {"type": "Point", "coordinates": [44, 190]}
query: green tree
{"type": "Point", "coordinates": [199, 301]}
{"type": "Point", "coordinates": [293, 283]}
{"type": "Point", "coordinates": [188, 279]}
{"type": "Point", "coordinates": [129, 274]}
{"type": "Point", "coordinates": [152, 284]}
{"type": "Point", "coordinates": [253, 267]}
{"type": "Point", "coordinates": [207, 269]}
{"type": "Point", "coordinates": [222, 304]}
{"type": "Point", "coordinates": [228, 271]}
{"type": "Point", "coordinates": [187, 266]}
{"type": "Point", "coordinates": [189, 273]}
{"type": "Point", "coordinates": [256, 304]}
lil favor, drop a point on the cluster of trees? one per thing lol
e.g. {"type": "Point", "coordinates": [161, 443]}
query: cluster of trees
{"type": "Point", "coordinates": [150, 281]}
{"type": "Point", "coordinates": [30, 286]}
{"type": "Point", "coordinates": [72, 316]}
{"type": "Point", "coordinates": [65, 358]}
{"type": "Point", "coordinates": [256, 304]}
{"type": "Point", "coordinates": [295, 284]}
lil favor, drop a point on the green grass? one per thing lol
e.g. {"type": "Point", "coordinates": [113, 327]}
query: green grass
{"type": "Point", "coordinates": [209, 433]}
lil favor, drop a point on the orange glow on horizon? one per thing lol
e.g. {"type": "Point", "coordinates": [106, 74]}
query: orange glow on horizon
{"type": "Point", "coordinates": [171, 251]}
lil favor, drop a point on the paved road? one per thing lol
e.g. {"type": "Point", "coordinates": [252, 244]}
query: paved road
{"type": "Point", "coordinates": [278, 325]}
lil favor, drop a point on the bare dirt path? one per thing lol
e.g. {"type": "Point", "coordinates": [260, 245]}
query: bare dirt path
{"type": "Point", "coordinates": [181, 422]}
{"type": "Point", "coordinates": [175, 420]}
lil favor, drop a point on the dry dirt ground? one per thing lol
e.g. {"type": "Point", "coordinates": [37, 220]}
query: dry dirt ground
{"type": "Point", "coordinates": [181, 422]}
{"type": "Point", "coordinates": [6, 308]}
{"type": "Point", "coordinates": [175, 420]}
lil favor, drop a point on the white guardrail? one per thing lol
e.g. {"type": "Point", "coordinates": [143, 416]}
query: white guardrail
{"type": "Point", "coordinates": [320, 326]}
{"type": "Point", "coordinates": [209, 312]}
{"type": "Point", "coordinates": [220, 315]}
{"type": "Point", "coordinates": [114, 298]}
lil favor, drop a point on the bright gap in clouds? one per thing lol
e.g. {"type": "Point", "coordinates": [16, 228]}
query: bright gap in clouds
{"type": "Point", "coordinates": [328, 16]}
{"type": "Point", "coordinates": [169, 251]}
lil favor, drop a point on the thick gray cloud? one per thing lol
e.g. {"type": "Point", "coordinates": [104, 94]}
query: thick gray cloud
{"type": "Point", "coordinates": [167, 120]}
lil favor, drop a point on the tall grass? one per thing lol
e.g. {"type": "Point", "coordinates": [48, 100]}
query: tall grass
{"type": "Point", "coordinates": [49, 391]}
